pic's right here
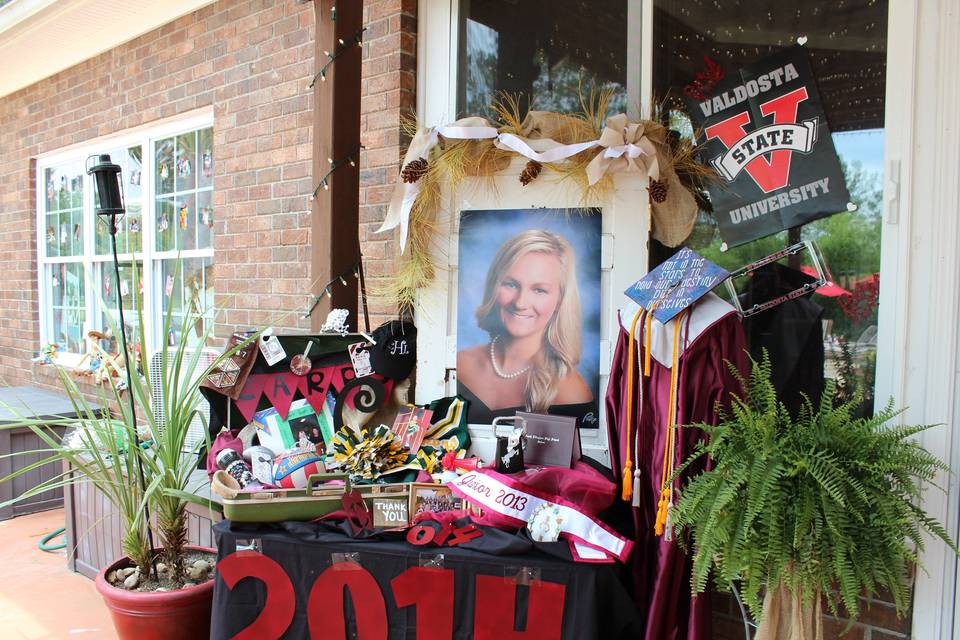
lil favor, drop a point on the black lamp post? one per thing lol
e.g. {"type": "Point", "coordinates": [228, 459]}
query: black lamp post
{"type": "Point", "coordinates": [109, 189]}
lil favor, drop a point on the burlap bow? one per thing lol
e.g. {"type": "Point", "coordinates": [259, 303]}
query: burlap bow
{"type": "Point", "coordinates": [627, 147]}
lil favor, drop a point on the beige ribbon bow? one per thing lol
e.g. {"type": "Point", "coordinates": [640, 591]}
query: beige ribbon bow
{"type": "Point", "coordinates": [628, 146]}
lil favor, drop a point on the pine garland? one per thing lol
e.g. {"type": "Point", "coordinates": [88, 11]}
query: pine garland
{"type": "Point", "coordinates": [822, 503]}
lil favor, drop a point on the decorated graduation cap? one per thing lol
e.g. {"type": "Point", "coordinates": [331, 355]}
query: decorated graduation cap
{"type": "Point", "coordinates": [395, 353]}
{"type": "Point", "coordinates": [676, 284]}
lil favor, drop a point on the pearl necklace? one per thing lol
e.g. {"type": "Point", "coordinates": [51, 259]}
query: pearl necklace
{"type": "Point", "coordinates": [496, 369]}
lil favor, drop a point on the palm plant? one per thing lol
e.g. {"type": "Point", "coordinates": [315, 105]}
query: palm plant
{"type": "Point", "coordinates": [824, 503]}
{"type": "Point", "coordinates": [138, 439]}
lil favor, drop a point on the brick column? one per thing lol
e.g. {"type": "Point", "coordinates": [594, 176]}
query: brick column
{"type": "Point", "coordinates": [388, 89]}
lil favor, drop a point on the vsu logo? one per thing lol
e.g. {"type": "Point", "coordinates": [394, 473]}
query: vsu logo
{"type": "Point", "coordinates": [765, 152]}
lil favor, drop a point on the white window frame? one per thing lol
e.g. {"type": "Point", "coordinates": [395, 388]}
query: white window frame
{"type": "Point", "coordinates": [148, 256]}
{"type": "Point", "coordinates": [438, 51]}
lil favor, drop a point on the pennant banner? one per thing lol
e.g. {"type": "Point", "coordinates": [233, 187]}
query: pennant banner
{"type": "Point", "coordinates": [281, 388]}
{"type": "Point", "coordinates": [765, 132]}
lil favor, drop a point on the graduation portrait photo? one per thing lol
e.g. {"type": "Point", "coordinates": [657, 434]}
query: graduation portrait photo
{"type": "Point", "coordinates": [528, 313]}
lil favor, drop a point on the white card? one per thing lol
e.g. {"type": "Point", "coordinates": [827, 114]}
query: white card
{"type": "Point", "coordinates": [272, 350]}
{"type": "Point", "coordinates": [360, 357]}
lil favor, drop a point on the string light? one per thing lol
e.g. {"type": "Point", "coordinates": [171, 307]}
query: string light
{"type": "Point", "coordinates": [331, 57]}
{"type": "Point", "coordinates": [326, 291]}
{"type": "Point", "coordinates": [351, 159]}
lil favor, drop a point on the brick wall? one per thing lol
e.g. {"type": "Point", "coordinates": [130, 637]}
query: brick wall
{"type": "Point", "coordinates": [251, 60]}
{"type": "Point", "coordinates": [388, 89]}
{"type": "Point", "coordinates": [878, 621]}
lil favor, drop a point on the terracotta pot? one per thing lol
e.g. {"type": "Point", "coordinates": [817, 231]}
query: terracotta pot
{"type": "Point", "coordinates": [182, 614]}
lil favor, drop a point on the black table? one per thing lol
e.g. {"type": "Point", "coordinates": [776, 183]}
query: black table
{"type": "Point", "coordinates": [291, 576]}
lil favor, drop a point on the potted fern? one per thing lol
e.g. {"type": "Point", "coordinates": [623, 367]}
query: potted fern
{"type": "Point", "coordinates": [795, 508]}
{"type": "Point", "coordinates": [165, 591]}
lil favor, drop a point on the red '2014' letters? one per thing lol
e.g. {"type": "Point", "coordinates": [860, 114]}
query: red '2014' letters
{"type": "Point", "coordinates": [429, 589]}
{"type": "Point", "coordinates": [495, 610]}
{"type": "Point", "coordinates": [325, 613]}
{"type": "Point", "coordinates": [280, 601]}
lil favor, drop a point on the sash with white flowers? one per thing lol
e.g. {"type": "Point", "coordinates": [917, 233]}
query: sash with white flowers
{"type": "Point", "coordinates": [590, 540]}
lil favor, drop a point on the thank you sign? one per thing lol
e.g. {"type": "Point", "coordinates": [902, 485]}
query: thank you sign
{"type": "Point", "coordinates": [766, 135]}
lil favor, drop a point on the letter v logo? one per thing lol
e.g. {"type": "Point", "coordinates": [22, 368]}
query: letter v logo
{"type": "Point", "coordinates": [774, 173]}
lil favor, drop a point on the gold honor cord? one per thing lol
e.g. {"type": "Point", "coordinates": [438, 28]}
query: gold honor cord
{"type": "Point", "coordinates": [663, 508]}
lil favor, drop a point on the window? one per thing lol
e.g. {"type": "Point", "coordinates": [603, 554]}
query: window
{"type": "Point", "coordinates": [846, 45]}
{"type": "Point", "coordinates": [167, 174]}
{"type": "Point", "coordinates": [541, 51]}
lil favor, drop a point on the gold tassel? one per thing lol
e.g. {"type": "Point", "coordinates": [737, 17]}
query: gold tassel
{"type": "Point", "coordinates": [662, 509]}
{"type": "Point", "coordinates": [627, 492]}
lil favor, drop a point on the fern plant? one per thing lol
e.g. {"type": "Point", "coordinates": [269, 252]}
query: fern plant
{"type": "Point", "coordinates": [821, 503]}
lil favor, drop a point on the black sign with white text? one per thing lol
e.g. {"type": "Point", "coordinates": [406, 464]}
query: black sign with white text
{"type": "Point", "coordinates": [766, 135]}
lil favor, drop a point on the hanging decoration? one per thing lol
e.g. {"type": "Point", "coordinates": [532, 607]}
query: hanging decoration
{"type": "Point", "coordinates": [184, 167]}
{"type": "Point", "coordinates": [765, 132]}
{"type": "Point", "coordinates": [164, 170]}
{"type": "Point", "coordinates": [184, 212]}
{"type": "Point", "coordinates": [206, 216]}
{"type": "Point", "coordinates": [207, 163]}
{"type": "Point", "coordinates": [585, 147]}
{"type": "Point", "coordinates": [164, 223]}
{"type": "Point", "coordinates": [133, 224]}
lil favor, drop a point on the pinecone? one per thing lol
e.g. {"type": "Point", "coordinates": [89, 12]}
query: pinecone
{"type": "Point", "coordinates": [658, 190]}
{"type": "Point", "coordinates": [530, 172]}
{"type": "Point", "coordinates": [414, 170]}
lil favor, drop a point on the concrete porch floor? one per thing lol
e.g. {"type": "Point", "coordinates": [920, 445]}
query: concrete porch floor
{"type": "Point", "coordinates": [40, 598]}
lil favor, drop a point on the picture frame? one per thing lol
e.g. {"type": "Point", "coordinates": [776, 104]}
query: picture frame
{"type": "Point", "coordinates": [426, 496]}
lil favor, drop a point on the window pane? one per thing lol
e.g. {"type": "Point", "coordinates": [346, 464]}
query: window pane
{"type": "Point", "coordinates": [187, 221]}
{"type": "Point", "coordinates": [205, 158]}
{"type": "Point", "coordinates": [846, 45]}
{"type": "Point", "coordinates": [188, 290]}
{"type": "Point", "coordinates": [63, 210]}
{"type": "Point", "coordinates": [186, 178]}
{"type": "Point", "coordinates": [127, 288]}
{"type": "Point", "coordinates": [543, 50]}
{"type": "Point", "coordinates": [184, 213]}
{"type": "Point", "coordinates": [204, 219]}
{"type": "Point", "coordinates": [166, 221]}
{"type": "Point", "coordinates": [67, 311]}
{"type": "Point", "coordinates": [164, 167]}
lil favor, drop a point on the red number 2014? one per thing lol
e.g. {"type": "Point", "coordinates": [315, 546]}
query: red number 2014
{"type": "Point", "coordinates": [429, 589]}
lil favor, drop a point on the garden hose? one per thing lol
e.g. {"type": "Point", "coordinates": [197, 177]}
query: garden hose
{"type": "Point", "coordinates": [44, 546]}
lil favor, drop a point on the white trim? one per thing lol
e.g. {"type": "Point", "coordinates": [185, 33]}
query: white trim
{"type": "Point", "coordinates": [623, 222]}
{"type": "Point", "coordinates": [149, 258]}
{"type": "Point", "coordinates": [928, 308]}
{"type": "Point", "coordinates": [39, 38]}
{"type": "Point", "coordinates": [163, 128]}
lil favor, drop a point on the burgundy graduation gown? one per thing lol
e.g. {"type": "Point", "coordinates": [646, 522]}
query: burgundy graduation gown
{"type": "Point", "coordinates": [661, 571]}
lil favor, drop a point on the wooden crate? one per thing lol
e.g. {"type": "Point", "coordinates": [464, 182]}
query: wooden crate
{"type": "Point", "coordinates": [17, 403]}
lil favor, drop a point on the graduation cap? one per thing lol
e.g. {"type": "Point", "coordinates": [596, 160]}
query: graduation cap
{"type": "Point", "coordinates": [676, 284]}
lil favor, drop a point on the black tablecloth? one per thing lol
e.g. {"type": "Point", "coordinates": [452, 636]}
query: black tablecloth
{"type": "Point", "coordinates": [596, 605]}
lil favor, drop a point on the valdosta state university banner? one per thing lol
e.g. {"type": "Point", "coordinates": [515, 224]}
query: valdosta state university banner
{"type": "Point", "coordinates": [766, 135]}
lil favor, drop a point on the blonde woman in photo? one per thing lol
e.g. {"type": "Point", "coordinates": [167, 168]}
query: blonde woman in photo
{"type": "Point", "coordinates": [531, 311]}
